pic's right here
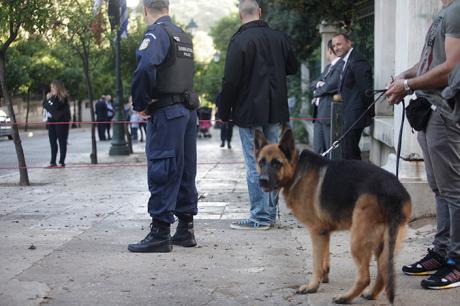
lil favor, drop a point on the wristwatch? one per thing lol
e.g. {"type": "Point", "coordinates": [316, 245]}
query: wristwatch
{"type": "Point", "coordinates": [408, 90]}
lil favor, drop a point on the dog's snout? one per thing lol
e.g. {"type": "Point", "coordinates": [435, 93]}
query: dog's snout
{"type": "Point", "coordinates": [265, 182]}
{"type": "Point", "coordinates": [264, 179]}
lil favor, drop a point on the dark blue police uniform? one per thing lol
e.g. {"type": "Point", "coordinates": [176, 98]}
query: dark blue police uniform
{"type": "Point", "coordinates": [171, 131]}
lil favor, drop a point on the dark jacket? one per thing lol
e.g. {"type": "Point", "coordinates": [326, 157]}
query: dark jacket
{"type": "Point", "coordinates": [356, 80]}
{"type": "Point", "coordinates": [59, 109]}
{"type": "Point", "coordinates": [331, 79]}
{"type": "Point", "coordinates": [101, 110]}
{"type": "Point", "coordinates": [254, 89]}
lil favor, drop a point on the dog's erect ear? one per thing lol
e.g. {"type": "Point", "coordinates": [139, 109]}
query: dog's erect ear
{"type": "Point", "coordinates": [259, 142]}
{"type": "Point", "coordinates": [287, 144]}
{"type": "Point", "coordinates": [284, 127]}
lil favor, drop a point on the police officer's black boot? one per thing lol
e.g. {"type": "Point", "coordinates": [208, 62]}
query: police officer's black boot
{"type": "Point", "coordinates": [157, 241]}
{"type": "Point", "coordinates": [185, 235]}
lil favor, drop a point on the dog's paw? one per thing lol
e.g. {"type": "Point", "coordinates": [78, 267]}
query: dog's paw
{"type": "Point", "coordinates": [307, 289]}
{"type": "Point", "coordinates": [340, 300]}
{"type": "Point", "coordinates": [325, 279]}
{"type": "Point", "coordinates": [368, 296]}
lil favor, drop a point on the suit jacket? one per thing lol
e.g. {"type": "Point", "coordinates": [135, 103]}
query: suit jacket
{"type": "Point", "coordinates": [331, 79]}
{"type": "Point", "coordinates": [356, 80]}
{"type": "Point", "coordinates": [101, 110]}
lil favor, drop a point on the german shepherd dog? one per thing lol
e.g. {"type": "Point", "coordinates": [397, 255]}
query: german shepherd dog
{"type": "Point", "coordinates": [327, 195]}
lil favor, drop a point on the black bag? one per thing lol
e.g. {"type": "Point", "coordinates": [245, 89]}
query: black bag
{"type": "Point", "coordinates": [192, 101]}
{"type": "Point", "coordinates": [418, 113]}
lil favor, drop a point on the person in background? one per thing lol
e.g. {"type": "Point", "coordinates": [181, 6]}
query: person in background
{"type": "Point", "coordinates": [143, 128]}
{"type": "Point", "coordinates": [226, 128]}
{"type": "Point", "coordinates": [57, 106]}
{"type": "Point", "coordinates": [110, 115]}
{"type": "Point", "coordinates": [324, 89]}
{"type": "Point", "coordinates": [356, 81]}
{"type": "Point", "coordinates": [134, 120]}
{"type": "Point", "coordinates": [101, 117]}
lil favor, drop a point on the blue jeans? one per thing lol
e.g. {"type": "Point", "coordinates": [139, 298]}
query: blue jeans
{"type": "Point", "coordinates": [263, 204]}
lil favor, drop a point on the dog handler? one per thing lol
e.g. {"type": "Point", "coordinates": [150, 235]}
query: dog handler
{"type": "Point", "coordinates": [440, 143]}
{"type": "Point", "coordinates": [163, 77]}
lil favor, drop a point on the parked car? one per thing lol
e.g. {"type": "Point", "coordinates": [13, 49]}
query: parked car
{"type": "Point", "coordinates": [5, 125]}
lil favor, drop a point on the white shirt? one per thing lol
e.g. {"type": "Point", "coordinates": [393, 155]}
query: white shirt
{"type": "Point", "coordinates": [335, 61]}
{"type": "Point", "coordinates": [346, 57]}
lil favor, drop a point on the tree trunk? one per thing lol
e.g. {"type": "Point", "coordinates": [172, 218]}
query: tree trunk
{"type": "Point", "coordinates": [85, 59]}
{"type": "Point", "coordinates": [79, 113]}
{"type": "Point", "coordinates": [23, 175]}
{"type": "Point", "coordinates": [74, 116]}
{"type": "Point", "coordinates": [28, 109]}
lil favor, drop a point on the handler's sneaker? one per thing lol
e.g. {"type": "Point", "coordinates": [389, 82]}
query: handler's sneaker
{"type": "Point", "coordinates": [247, 224]}
{"type": "Point", "coordinates": [427, 265]}
{"type": "Point", "coordinates": [446, 277]}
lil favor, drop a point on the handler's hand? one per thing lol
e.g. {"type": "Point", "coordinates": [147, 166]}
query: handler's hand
{"type": "Point", "coordinates": [396, 91]}
{"type": "Point", "coordinates": [144, 115]}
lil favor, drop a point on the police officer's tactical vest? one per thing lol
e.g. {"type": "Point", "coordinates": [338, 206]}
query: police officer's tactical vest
{"type": "Point", "coordinates": [175, 74]}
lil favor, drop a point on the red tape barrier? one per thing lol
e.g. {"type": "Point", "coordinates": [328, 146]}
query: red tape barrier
{"type": "Point", "coordinates": [114, 165]}
{"type": "Point", "coordinates": [124, 122]}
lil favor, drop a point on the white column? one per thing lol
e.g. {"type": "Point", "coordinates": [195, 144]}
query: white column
{"type": "Point", "coordinates": [327, 31]}
{"type": "Point", "coordinates": [413, 19]}
{"type": "Point", "coordinates": [384, 49]}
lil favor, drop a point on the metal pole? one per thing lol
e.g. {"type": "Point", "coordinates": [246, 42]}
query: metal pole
{"type": "Point", "coordinates": [336, 126]}
{"type": "Point", "coordinates": [119, 145]}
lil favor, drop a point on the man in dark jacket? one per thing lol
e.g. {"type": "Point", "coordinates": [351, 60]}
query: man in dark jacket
{"type": "Point", "coordinates": [324, 89]}
{"type": "Point", "coordinates": [356, 80]}
{"type": "Point", "coordinates": [254, 93]}
{"type": "Point", "coordinates": [101, 116]}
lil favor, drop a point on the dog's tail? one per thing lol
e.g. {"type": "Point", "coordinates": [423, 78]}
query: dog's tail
{"type": "Point", "coordinates": [394, 232]}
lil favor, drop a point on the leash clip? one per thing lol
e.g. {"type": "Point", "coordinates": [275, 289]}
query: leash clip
{"type": "Point", "coordinates": [334, 146]}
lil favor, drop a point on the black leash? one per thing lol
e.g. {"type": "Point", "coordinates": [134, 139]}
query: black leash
{"type": "Point", "coordinates": [398, 151]}
{"type": "Point", "coordinates": [336, 143]}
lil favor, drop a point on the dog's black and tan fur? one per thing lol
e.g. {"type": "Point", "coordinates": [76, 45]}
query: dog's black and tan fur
{"type": "Point", "coordinates": [327, 196]}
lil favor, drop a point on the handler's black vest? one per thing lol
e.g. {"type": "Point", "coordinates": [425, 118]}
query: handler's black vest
{"type": "Point", "coordinates": [175, 74]}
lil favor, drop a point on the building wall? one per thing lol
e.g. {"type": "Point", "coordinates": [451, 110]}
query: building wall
{"type": "Point", "coordinates": [400, 28]}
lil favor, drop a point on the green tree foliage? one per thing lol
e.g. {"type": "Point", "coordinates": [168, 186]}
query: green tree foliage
{"type": "Point", "coordinates": [300, 20]}
{"type": "Point", "coordinates": [208, 76]}
{"type": "Point", "coordinates": [223, 31]}
{"type": "Point", "coordinates": [30, 16]}
{"type": "Point", "coordinates": [75, 29]}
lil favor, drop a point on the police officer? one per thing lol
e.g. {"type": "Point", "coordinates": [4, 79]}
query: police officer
{"type": "Point", "coordinates": [163, 78]}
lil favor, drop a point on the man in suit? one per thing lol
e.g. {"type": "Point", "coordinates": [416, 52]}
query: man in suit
{"type": "Point", "coordinates": [324, 89]}
{"type": "Point", "coordinates": [356, 80]}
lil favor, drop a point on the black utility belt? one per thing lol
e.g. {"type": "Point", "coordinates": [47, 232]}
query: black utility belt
{"type": "Point", "coordinates": [163, 102]}
{"type": "Point", "coordinates": [189, 99]}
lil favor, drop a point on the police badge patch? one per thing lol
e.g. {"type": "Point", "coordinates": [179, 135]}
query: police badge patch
{"type": "Point", "coordinates": [144, 44]}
